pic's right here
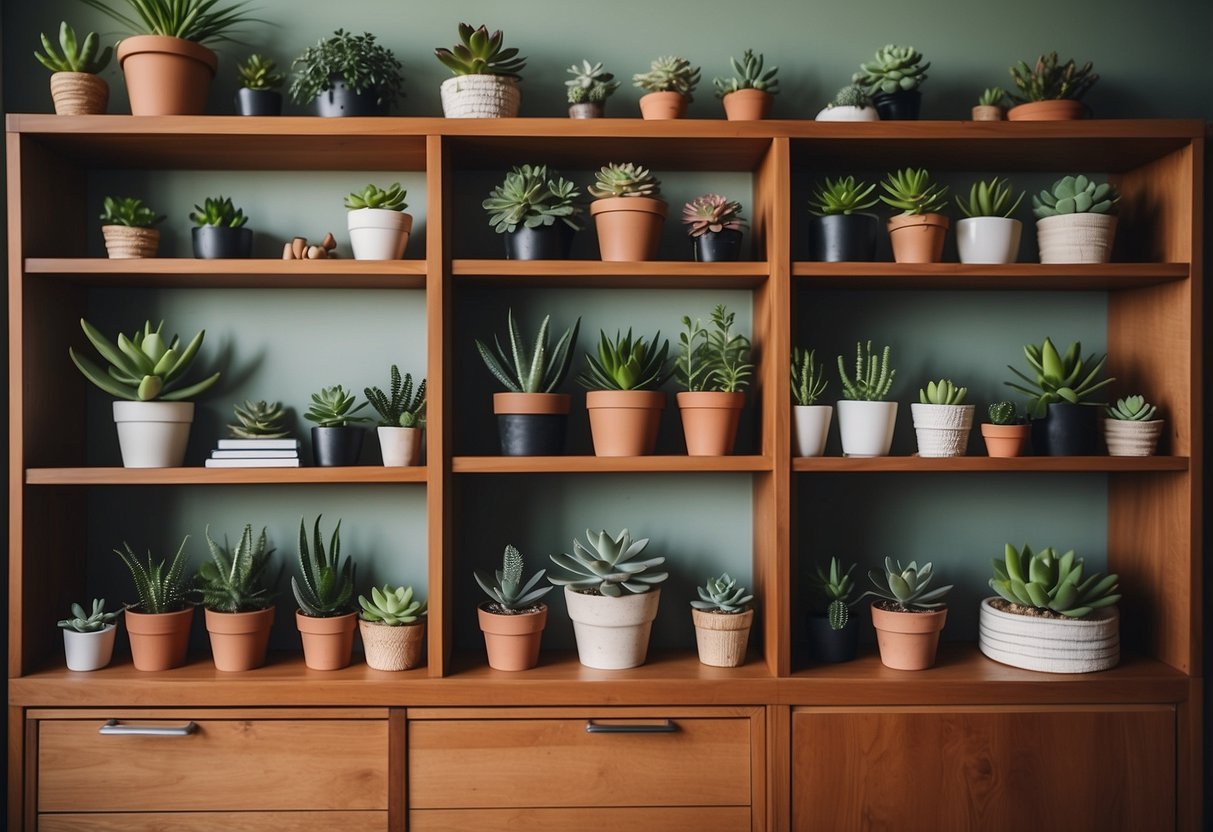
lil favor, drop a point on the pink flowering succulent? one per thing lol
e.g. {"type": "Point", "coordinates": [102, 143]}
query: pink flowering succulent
{"type": "Point", "coordinates": [712, 212]}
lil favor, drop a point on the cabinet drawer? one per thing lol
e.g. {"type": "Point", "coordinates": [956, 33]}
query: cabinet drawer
{"type": "Point", "coordinates": [211, 821]}
{"type": "Point", "coordinates": [652, 819]}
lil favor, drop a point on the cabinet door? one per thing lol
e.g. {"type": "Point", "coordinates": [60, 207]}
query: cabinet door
{"type": "Point", "coordinates": [988, 768]}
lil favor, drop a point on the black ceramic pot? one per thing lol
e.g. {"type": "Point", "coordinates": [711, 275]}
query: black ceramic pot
{"type": "Point", "coordinates": [212, 242]}
{"type": "Point", "coordinates": [550, 242]}
{"type": "Point", "coordinates": [839, 238]}
{"type": "Point", "coordinates": [897, 106]}
{"type": "Point", "coordinates": [340, 100]}
{"type": "Point", "coordinates": [1067, 430]}
{"type": "Point", "coordinates": [532, 434]}
{"type": "Point", "coordinates": [830, 645]}
{"type": "Point", "coordinates": [333, 447]}
{"type": "Point", "coordinates": [718, 246]}
{"type": "Point", "coordinates": [258, 102]}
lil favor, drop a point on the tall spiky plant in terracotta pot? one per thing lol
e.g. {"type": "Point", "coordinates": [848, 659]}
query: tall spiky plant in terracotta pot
{"type": "Point", "coordinates": [324, 590]}
{"type": "Point", "coordinates": [237, 592]}
{"type": "Point", "coordinates": [514, 617]}
{"type": "Point", "coordinates": [713, 365]}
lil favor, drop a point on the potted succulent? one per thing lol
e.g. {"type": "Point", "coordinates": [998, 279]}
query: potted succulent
{"type": "Point", "coordinates": [622, 402]}
{"type": "Point", "coordinates": [713, 365]}
{"type": "Point", "coordinates": [379, 227]}
{"type": "Point", "coordinates": [159, 624]}
{"type": "Point", "coordinates": [88, 637]}
{"type": "Point", "coordinates": [589, 89]}
{"type": "Point", "coordinates": [536, 213]}
{"type": "Point", "coordinates": [76, 86]}
{"type": "Point", "coordinates": [1131, 428]}
{"type": "Point", "coordinates": [989, 104]}
{"type": "Point", "coordinates": [851, 103]}
{"type": "Point", "coordinates": [513, 619]}
{"type": "Point", "coordinates": [347, 75]}
{"type": "Point", "coordinates": [833, 634]}
{"type": "Point", "coordinates": [324, 590]}
{"type": "Point", "coordinates": [810, 420]}
{"type": "Point", "coordinates": [401, 419]}
{"type": "Point", "coordinates": [1048, 92]}
{"type": "Point", "coordinates": [840, 230]}
{"type": "Point", "coordinates": [612, 598]}
{"type": "Point", "coordinates": [128, 227]}
{"type": "Point", "coordinates": [908, 618]}
{"type": "Point", "coordinates": [486, 76]}
{"type": "Point", "coordinates": [668, 87]}
{"type": "Point", "coordinates": [865, 419]}
{"type": "Point", "coordinates": [988, 233]}
{"type": "Point", "coordinates": [392, 624]}
{"type": "Point", "coordinates": [918, 232]}
{"type": "Point", "coordinates": [219, 232]}
{"type": "Point", "coordinates": [168, 68]}
{"type": "Point", "coordinates": [259, 84]}
{"type": "Point", "coordinates": [1006, 434]}
{"type": "Point", "coordinates": [628, 212]}
{"type": "Point", "coordinates": [237, 594]}
{"type": "Point", "coordinates": [714, 223]}
{"type": "Point", "coordinates": [892, 79]}
{"type": "Point", "coordinates": [1047, 617]}
{"type": "Point", "coordinates": [258, 420]}
{"type": "Point", "coordinates": [942, 420]}
{"type": "Point", "coordinates": [531, 418]}
{"type": "Point", "coordinates": [153, 419]}
{"type": "Point", "coordinates": [722, 617]}
{"type": "Point", "coordinates": [337, 437]}
{"type": "Point", "coordinates": [748, 94]}
{"type": "Point", "coordinates": [1064, 423]}
{"type": "Point", "coordinates": [1076, 221]}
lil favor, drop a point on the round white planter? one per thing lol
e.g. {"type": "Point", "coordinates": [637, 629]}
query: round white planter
{"type": "Point", "coordinates": [379, 234]}
{"type": "Point", "coordinates": [942, 429]}
{"type": "Point", "coordinates": [1076, 238]}
{"type": "Point", "coordinates": [153, 434]}
{"type": "Point", "coordinates": [1051, 645]}
{"type": "Point", "coordinates": [89, 651]}
{"type": "Point", "coordinates": [400, 446]}
{"type": "Point", "coordinates": [811, 428]}
{"type": "Point", "coordinates": [1126, 438]}
{"type": "Point", "coordinates": [848, 114]}
{"type": "Point", "coordinates": [866, 428]}
{"type": "Point", "coordinates": [480, 96]}
{"type": "Point", "coordinates": [988, 239]}
{"type": "Point", "coordinates": [612, 633]}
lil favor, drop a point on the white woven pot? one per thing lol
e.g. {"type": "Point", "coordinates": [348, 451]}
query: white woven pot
{"type": "Point", "coordinates": [400, 446]}
{"type": "Point", "coordinates": [988, 239]}
{"type": "Point", "coordinates": [848, 114]}
{"type": "Point", "coordinates": [1051, 645]}
{"type": "Point", "coordinates": [811, 428]}
{"type": "Point", "coordinates": [1076, 238]}
{"type": "Point", "coordinates": [153, 434]}
{"type": "Point", "coordinates": [942, 429]}
{"type": "Point", "coordinates": [866, 428]}
{"type": "Point", "coordinates": [480, 96]}
{"type": "Point", "coordinates": [1125, 438]}
{"type": "Point", "coordinates": [89, 651]}
{"type": "Point", "coordinates": [612, 633]}
{"type": "Point", "coordinates": [379, 234]}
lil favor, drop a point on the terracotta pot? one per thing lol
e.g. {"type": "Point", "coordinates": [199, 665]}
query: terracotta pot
{"type": "Point", "coordinates": [1005, 440]}
{"type": "Point", "coordinates": [663, 105]}
{"type": "Point", "coordinates": [79, 93]}
{"type": "Point", "coordinates": [239, 639]}
{"type": "Point", "coordinates": [1050, 645]}
{"type": "Point", "coordinates": [531, 424]}
{"type": "Point", "coordinates": [917, 238]}
{"type": "Point", "coordinates": [1063, 109]}
{"type": "Point", "coordinates": [327, 642]}
{"type": "Point", "coordinates": [629, 227]}
{"type": "Point", "coordinates": [392, 647]}
{"type": "Point", "coordinates": [908, 640]}
{"type": "Point", "coordinates": [624, 422]}
{"type": "Point", "coordinates": [709, 421]}
{"type": "Point", "coordinates": [747, 105]}
{"type": "Point", "coordinates": [1076, 238]}
{"type": "Point", "coordinates": [512, 641]}
{"type": "Point", "coordinates": [166, 76]}
{"type": "Point", "coordinates": [722, 637]}
{"type": "Point", "coordinates": [587, 109]}
{"type": "Point", "coordinates": [159, 642]}
{"type": "Point", "coordinates": [987, 112]}
{"type": "Point", "coordinates": [480, 96]}
{"type": "Point", "coordinates": [1126, 438]}
{"type": "Point", "coordinates": [123, 242]}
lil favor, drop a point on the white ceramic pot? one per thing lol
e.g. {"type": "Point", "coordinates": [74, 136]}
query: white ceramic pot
{"type": "Point", "coordinates": [810, 428]}
{"type": "Point", "coordinates": [1076, 238]}
{"type": "Point", "coordinates": [1052, 645]}
{"type": "Point", "coordinates": [942, 429]}
{"type": "Point", "coordinates": [612, 633]}
{"type": "Point", "coordinates": [379, 234]}
{"type": "Point", "coordinates": [1126, 438]}
{"type": "Point", "coordinates": [153, 434]}
{"type": "Point", "coordinates": [848, 114]}
{"type": "Point", "coordinates": [400, 446]}
{"type": "Point", "coordinates": [988, 239]}
{"type": "Point", "coordinates": [480, 96]}
{"type": "Point", "coordinates": [866, 428]}
{"type": "Point", "coordinates": [89, 651]}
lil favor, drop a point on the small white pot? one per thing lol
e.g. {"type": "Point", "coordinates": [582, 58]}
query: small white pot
{"type": "Point", "coordinates": [866, 428]}
{"type": "Point", "coordinates": [988, 239]}
{"type": "Point", "coordinates": [848, 114]}
{"type": "Point", "coordinates": [942, 429]}
{"type": "Point", "coordinates": [400, 446]}
{"type": "Point", "coordinates": [811, 428]}
{"type": "Point", "coordinates": [1070, 645]}
{"type": "Point", "coordinates": [480, 96]}
{"type": "Point", "coordinates": [89, 651]}
{"type": "Point", "coordinates": [379, 234]}
{"type": "Point", "coordinates": [1076, 238]}
{"type": "Point", "coordinates": [1126, 438]}
{"type": "Point", "coordinates": [153, 434]}
{"type": "Point", "coordinates": [612, 633]}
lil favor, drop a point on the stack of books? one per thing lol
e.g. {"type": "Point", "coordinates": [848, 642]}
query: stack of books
{"type": "Point", "coordinates": [255, 453]}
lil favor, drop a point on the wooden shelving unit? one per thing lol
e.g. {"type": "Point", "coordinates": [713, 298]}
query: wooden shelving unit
{"type": "Point", "coordinates": [222, 476]}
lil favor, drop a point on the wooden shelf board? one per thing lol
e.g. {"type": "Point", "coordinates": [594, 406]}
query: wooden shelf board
{"type": "Point", "coordinates": [366, 474]}
{"type": "Point", "coordinates": [596, 274]}
{"type": "Point", "coordinates": [233, 274]}
{"type": "Point", "coordinates": [985, 464]}
{"type": "Point", "coordinates": [606, 464]}
{"type": "Point", "coordinates": [1095, 276]}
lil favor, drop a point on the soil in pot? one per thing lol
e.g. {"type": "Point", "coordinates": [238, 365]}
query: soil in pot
{"type": "Point", "coordinates": [612, 633]}
{"type": "Point", "coordinates": [1063, 109]}
{"type": "Point", "coordinates": [717, 246]}
{"type": "Point", "coordinates": [334, 447]}
{"type": "Point", "coordinates": [159, 642]}
{"type": "Point", "coordinates": [918, 238]}
{"type": "Point", "coordinates": [722, 638]}
{"type": "Point", "coordinates": [531, 424]}
{"type": "Point", "coordinates": [166, 76]}
{"type": "Point", "coordinates": [907, 640]}
{"type": "Point", "coordinates": [841, 238]}
{"type": "Point", "coordinates": [512, 639]}
{"type": "Point", "coordinates": [547, 242]}
{"type": "Point", "coordinates": [624, 422]}
{"type": "Point", "coordinates": [709, 421]}
{"type": "Point", "coordinates": [79, 93]}
{"type": "Point", "coordinates": [153, 434]}
{"type": "Point", "coordinates": [340, 100]}
{"type": "Point", "coordinates": [831, 646]}
{"type": "Point", "coordinates": [327, 642]}
{"type": "Point", "coordinates": [480, 96]}
{"type": "Point", "coordinates": [123, 242]}
{"type": "Point", "coordinates": [258, 102]}
{"type": "Point", "coordinates": [1067, 430]}
{"type": "Point", "coordinates": [218, 243]}
{"type": "Point", "coordinates": [747, 105]}
{"type": "Point", "coordinates": [393, 648]}
{"type": "Point", "coordinates": [400, 447]}
{"type": "Point", "coordinates": [629, 227]}
{"type": "Point", "coordinates": [1005, 440]}
{"type": "Point", "coordinates": [656, 106]}
{"type": "Point", "coordinates": [239, 639]}
{"type": "Point", "coordinates": [902, 105]}
{"type": "Point", "coordinates": [89, 651]}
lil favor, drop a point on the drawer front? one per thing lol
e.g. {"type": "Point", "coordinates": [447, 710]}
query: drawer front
{"type": "Point", "coordinates": [255, 764]}
{"type": "Point", "coordinates": [211, 821]}
{"type": "Point", "coordinates": [681, 819]}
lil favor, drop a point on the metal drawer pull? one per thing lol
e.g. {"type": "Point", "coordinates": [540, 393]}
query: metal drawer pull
{"type": "Point", "coordinates": [114, 728]}
{"type": "Point", "coordinates": [668, 727]}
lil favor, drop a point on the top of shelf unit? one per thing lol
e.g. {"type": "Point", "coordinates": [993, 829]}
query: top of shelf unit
{"type": "Point", "coordinates": [598, 274]}
{"type": "Point", "coordinates": [233, 274]}
{"type": "Point", "coordinates": [1016, 276]}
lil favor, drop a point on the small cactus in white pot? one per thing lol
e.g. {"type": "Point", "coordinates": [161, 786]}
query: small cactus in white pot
{"type": "Point", "coordinates": [1131, 428]}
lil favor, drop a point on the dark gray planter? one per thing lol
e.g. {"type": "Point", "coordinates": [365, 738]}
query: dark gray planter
{"type": "Point", "coordinates": [551, 242]}
{"type": "Point", "coordinates": [718, 246]}
{"type": "Point", "coordinates": [532, 434]}
{"type": "Point", "coordinates": [1067, 430]}
{"type": "Point", "coordinates": [843, 238]}
{"type": "Point", "coordinates": [340, 100]}
{"type": "Point", "coordinates": [212, 242]}
{"type": "Point", "coordinates": [832, 646]}
{"type": "Point", "coordinates": [902, 105]}
{"type": "Point", "coordinates": [258, 102]}
{"type": "Point", "coordinates": [333, 447]}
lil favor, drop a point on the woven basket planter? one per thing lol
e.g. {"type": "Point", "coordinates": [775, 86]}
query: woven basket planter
{"type": "Point", "coordinates": [79, 93]}
{"type": "Point", "coordinates": [1068, 645]}
{"type": "Point", "coordinates": [393, 648]}
{"type": "Point", "coordinates": [1076, 238]}
{"type": "Point", "coordinates": [942, 429]}
{"type": "Point", "coordinates": [480, 96]}
{"type": "Point", "coordinates": [124, 242]}
{"type": "Point", "coordinates": [1127, 438]}
{"type": "Point", "coordinates": [722, 638]}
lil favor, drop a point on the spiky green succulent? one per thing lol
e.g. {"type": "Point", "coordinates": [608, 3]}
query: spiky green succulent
{"type": "Point", "coordinates": [590, 83]}
{"type": "Point", "coordinates": [749, 75]}
{"type": "Point", "coordinates": [237, 580]}
{"type": "Point", "coordinates": [1003, 413]}
{"type": "Point", "coordinates": [990, 199]}
{"type": "Point", "coordinates": [723, 595]}
{"type": "Point", "coordinates": [1047, 81]}
{"type": "Point", "coordinates": [669, 73]}
{"type": "Point", "coordinates": [258, 72]}
{"type": "Point", "coordinates": [852, 95]}
{"type": "Point", "coordinates": [74, 55]}
{"type": "Point", "coordinates": [906, 586]}
{"type": "Point", "coordinates": [481, 53]}
{"type": "Point", "coordinates": [808, 377]}
{"type": "Point", "coordinates": [372, 196]}
{"type": "Point", "coordinates": [606, 565]}
{"type": "Point", "coordinates": [129, 211]}
{"type": "Point", "coordinates": [914, 193]}
{"type": "Point", "coordinates": [835, 586]}
{"type": "Point", "coordinates": [332, 407]}
{"type": "Point", "coordinates": [1058, 378]}
{"type": "Point", "coordinates": [162, 586]}
{"type": "Point", "coordinates": [1131, 409]}
{"type": "Point", "coordinates": [218, 212]}
{"type": "Point", "coordinates": [844, 195]}
{"type": "Point", "coordinates": [991, 97]}
{"type": "Point", "coordinates": [392, 606]}
{"type": "Point", "coordinates": [892, 69]}
{"type": "Point", "coordinates": [873, 376]}
{"type": "Point", "coordinates": [714, 213]}
{"type": "Point", "coordinates": [143, 367]}
{"type": "Point", "coordinates": [530, 368]}
{"type": "Point", "coordinates": [942, 392]}
{"type": "Point", "coordinates": [508, 591]}
{"type": "Point", "coordinates": [1075, 195]}
{"type": "Point", "coordinates": [324, 587]}
{"type": "Point", "coordinates": [626, 363]}
{"type": "Point", "coordinates": [715, 359]}
{"type": "Point", "coordinates": [400, 407]}
{"type": "Point", "coordinates": [258, 420]}
{"type": "Point", "coordinates": [1044, 581]}
{"type": "Point", "coordinates": [90, 622]}
{"type": "Point", "coordinates": [531, 196]}
{"type": "Point", "coordinates": [202, 21]}
{"type": "Point", "coordinates": [624, 179]}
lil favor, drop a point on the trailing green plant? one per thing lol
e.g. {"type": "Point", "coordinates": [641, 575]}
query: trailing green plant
{"type": "Point", "coordinates": [162, 586]}
{"type": "Point", "coordinates": [1075, 195]}
{"type": "Point", "coordinates": [532, 197]}
{"type": "Point", "coordinates": [942, 392]}
{"type": "Point", "coordinates": [1047, 81]}
{"type": "Point", "coordinates": [90, 622]}
{"type": "Point", "coordinates": [990, 199]}
{"type": "Point", "coordinates": [1004, 413]}
{"type": "Point", "coordinates": [669, 74]}
{"type": "Point", "coordinates": [893, 68]}
{"type": "Point", "coordinates": [714, 213]}
{"type": "Point", "coordinates": [873, 377]}
{"type": "Point", "coordinates": [835, 586]}
{"type": "Point", "coordinates": [1043, 581]}
{"type": "Point", "coordinates": [626, 363]}
{"type": "Point", "coordinates": [913, 192]}
{"type": "Point", "coordinates": [906, 587]}
{"type": "Point", "coordinates": [218, 212]}
{"type": "Point", "coordinates": [129, 211]}
{"type": "Point", "coordinates": [722, 595]}
{"type": "Point", "coordinates": [202, 21]}
{"type": "Point", "coordinates": [533, 368]}
{"type": "Point", "coordinates": [713, 359]}
{"type": "Point", "coordinates": [852, 95]}
{"type": "Point", "coordinates": [606, 565]}
{"type": "Point", "coordinates": [808, 377]}
{"type": "Point", "coordinates": [1058, 378]}
{"type": "Point", "coordinates": [391, 606]}
{"type": "Point", "coordinates": [258, 72]}
{"type": "Point", "coordinates": [143, 367]}
{"type": "Point", "coordinates": [749, 75]}
{"type": "Point", "coordinates": [1131, 409]}
{"type": "Point", "coordinates": [991, 97]}
{"type": "Point", "coordinates": [844, 195]}
{"type": "Point", "coordinates": [590, 84]}
{"type": "Point", "coordinates": [332, 407]}
{"type": "Point", "coordinates": [624, 179]}
{"type": "Point", "coordinates": [355, 60]}
{"type": "Point", "coordinates": [372, 196]}
{"type": "Point", "coordinates": [325, 585]}
{"type": "Point", "coordinates": [74, 55]}
{"type": "Point", "coordinates": [507, 590]}
{"type": "Point", "coordinates": [258, 420]}
{"type": "Point", "coordinates": [237, 580]}
{"type": "Point", "coordinates": [400, 407]}
{"type": "Point", "coordinates": [481, 53]}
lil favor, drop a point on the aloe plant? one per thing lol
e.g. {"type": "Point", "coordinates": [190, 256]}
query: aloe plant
{"type": "Point", "coordinates": [844, 195]}
{"type": "Point", "coordinates": [400, 407]}
{"type": "Point", "coordinates": [808, 377]}
{"type": "Point", "coordinates": [607, 565]}
{"type": "Point", "coordinates": [990, 199]}
{"type": "Point", "coordinates": [237, 579]}
{"type": "Point", "coordinates": [530, 368]}
{"type": "Point", "coordinates": [749, 75]}
{"type": "Point", "coordinates": [202, 21]}
{"type": "Point", "coordinates": [506, 588]}
{"type": "Point", "coordinates": [162, 586]}
{"type": "Point", "coordinates": [218, 212]}
{"type": "Point", "coordinates": [143, 367]}
{"type": "Point", "coordinates": [991, 97]}
{"type": "Point", "coordinates": [332, 407]}
{"type": "Point", "coordinates": [1058, 378]}
{"type": "Point", "coordinates": [74, 55]}
{"type": "Point", "coordinates": [1044, 581]}
{"type": "Point", "coordinates": [626, 363]}
{"type": "Point", "coordinates": [325, 584]}
{"type": "Point", "coordinates": [914, 193]}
